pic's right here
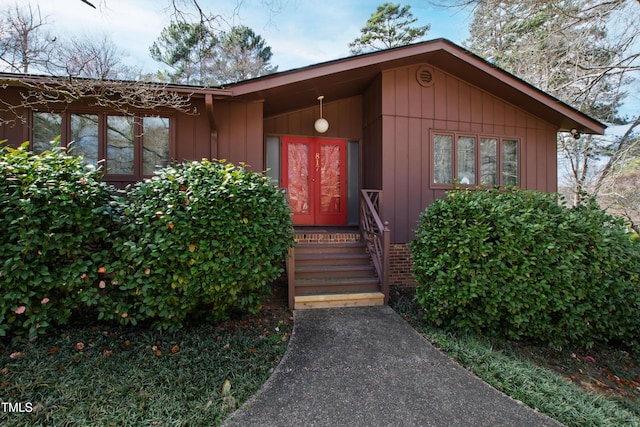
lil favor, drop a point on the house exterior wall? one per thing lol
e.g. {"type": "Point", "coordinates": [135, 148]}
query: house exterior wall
{"type": "Point", "coordinates": [344, 117]}
{"type": "Point", "coordinates": [372, 136]}
{"type": "Point", "coordinates": [240, 133]}
{"type": "Point", "coordinates": [238, 136]}
{"type": "Point", "coordinates": [409, 113]}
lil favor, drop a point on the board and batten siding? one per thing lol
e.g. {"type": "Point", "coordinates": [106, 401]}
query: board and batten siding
{"type": "Point", "coordinates": [344, 117]}
{"type": "Point", "coordinates": [410, 112]}
{"type": "Point", "coordinates": [240, 133]}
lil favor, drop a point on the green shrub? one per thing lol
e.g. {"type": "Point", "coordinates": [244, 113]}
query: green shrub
{"type": "Point", "coordinates": [517, 264]}
{"type": "Point", "coordinates": [199, 235]}
{"type": "Point", "coordinates": [55, 217]}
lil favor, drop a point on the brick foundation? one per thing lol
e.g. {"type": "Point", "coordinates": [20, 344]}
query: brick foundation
{"type": "Point", "coordinates": [400, 273]}
{"type": "Point", "coordinates": [326, 237]}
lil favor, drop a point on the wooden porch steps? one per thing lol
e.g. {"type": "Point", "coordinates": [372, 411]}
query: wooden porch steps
{"type": "Point", "coordinates": [334, 274]}
{"type": "Point", "coordinates": [363, 299]}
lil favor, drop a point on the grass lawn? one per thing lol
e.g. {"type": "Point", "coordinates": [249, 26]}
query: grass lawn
{"type": "Point", "coordinates": [599, 386]}
{"type": "Point", "coordinates": [114, 376]}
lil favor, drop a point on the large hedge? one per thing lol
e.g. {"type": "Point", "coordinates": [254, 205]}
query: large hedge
{"type": "Point", "coordinates": [200, 237]}
{"type": "Point", "coordinates": [55, 221]}
{"type": "Point", "coordinates": [518, 264]}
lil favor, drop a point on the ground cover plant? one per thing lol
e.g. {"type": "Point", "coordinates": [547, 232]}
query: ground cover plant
{"type": "Point", "coordinates": [598, 386]}
{"type": "Point", "coordinates": [110, 375]}
{"type": "Point", "coordinates": [517, 264]}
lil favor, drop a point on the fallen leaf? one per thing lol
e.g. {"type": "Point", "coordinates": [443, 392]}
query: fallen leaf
{"type": "Point", "coordinates": [16, 355]}
{"type": "Point", "coordinates": [175, 349]}
{"type": "Point", "coordinates": [226, 388]}
{"type": "Point", "coordinates": [102, 270]}
{"type": "Point", "coordinates": [53, 350]}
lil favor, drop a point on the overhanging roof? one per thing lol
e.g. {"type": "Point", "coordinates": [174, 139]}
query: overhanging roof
{"type": "Point", "coordinates": [294, 89]}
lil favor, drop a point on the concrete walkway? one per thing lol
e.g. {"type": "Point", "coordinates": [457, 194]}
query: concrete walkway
{"type": "Point", "coordinates": [367, 367]}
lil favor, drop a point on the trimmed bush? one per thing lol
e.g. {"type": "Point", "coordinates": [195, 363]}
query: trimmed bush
{"type": "Point", "coordinates": [517, 264]}
{"type": "Point", "coordinates": [200, 237]}
{"type": "Point", "coordinates": [55, 215]}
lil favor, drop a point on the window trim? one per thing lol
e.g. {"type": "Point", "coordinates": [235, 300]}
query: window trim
{"type": "Point", "coordinates": [478, 172]}
{"type": "Point", "coordinates": [138, 166]}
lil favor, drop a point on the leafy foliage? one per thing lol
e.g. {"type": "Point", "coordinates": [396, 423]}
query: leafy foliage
{"type": "Point", "coordinates": [198, 235]}
{"type": "Point", "coordinates": [517, 264]}
{"type": "Point", "coordinates": [56, 217]}
{"type": "Point", "coordinates": [202, 235]}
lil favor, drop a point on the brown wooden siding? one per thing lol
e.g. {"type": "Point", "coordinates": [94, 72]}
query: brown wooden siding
{"type": "Point", "coordinates": [372, 136]}
{"type": "Point", "coordinates": [344, 117]}
{"type": "Point", "coordinates": [410, 112]}
{"type": "Point", "coordinates": [15, 133]}
{"type": "Point", "coordinates": [240, 133]}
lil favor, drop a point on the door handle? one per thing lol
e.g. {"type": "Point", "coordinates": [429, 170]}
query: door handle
{"type": "Point", "coordinates": [317, 161]}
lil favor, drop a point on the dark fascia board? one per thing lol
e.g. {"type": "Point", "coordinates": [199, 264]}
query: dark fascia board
{"type": "Point", "coordinates": [447, 56]}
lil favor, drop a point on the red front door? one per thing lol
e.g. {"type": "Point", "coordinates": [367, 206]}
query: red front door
{"type": "Point", "coordinates": [314, 174]}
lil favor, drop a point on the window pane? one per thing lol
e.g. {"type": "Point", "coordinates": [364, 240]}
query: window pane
{"type": "Point", "coordinates": [46, 127]}
{"type": "Point", "coordinates": [488, 161]}
{"type": "Point", "coordinates": [273, 159]}
{"type": "Point", "coordinates": [155, 144]}
{"type": "Point", "coordinates": [298, 173]}
{"type": "Point", "coordinates": [120, 145]}
{"type": "Point", "coordinates": [442, 159]}
{"type": "Point", "coordinates": [467, 160]}
{"type": "Point", "coordinates": [84, 137]}
{"type": "Point", "coordinates": [509, 162]}
{"type": "Point", "coordinates": [330, 167]}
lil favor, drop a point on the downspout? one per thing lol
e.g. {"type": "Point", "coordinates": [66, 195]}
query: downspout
{"type": "Point", "coordinates": [213, 138]}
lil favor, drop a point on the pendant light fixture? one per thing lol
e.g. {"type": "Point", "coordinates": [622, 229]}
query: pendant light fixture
{"type": "Point", "coordinates": [321, 125]}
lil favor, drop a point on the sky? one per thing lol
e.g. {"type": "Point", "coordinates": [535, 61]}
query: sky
{"type": "Point", "coordinates": [300, 32]}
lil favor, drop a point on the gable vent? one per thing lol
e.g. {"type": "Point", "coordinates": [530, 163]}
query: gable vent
{"type": "Point", "coordinates": [425, 76]}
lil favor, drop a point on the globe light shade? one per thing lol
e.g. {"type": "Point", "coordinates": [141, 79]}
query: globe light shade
{"type": "Point", "coordinates": [321, 125]}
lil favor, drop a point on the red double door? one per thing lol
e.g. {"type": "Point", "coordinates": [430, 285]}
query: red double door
{"type": "Point", "coordinates": [314, 174]}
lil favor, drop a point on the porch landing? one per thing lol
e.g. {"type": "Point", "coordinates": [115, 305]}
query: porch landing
{"type": "Point", "coordinates": [330, 267]}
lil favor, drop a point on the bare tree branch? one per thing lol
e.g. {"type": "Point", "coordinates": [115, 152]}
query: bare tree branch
{"type": "Point", "coordinates": [120, 96]}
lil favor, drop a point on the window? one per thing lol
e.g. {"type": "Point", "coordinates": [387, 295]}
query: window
{"type": "Point", "coordinates": [128, 147]}
{"type": "Point", "coordinates": [46, 127]}
{"type": "Point", "coordinates": [474, 160]}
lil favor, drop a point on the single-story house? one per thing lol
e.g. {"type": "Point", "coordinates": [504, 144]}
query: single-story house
{"type": "Point", "coordinates": [407, 123]}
